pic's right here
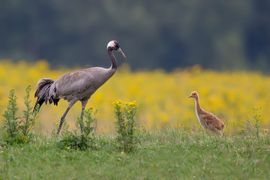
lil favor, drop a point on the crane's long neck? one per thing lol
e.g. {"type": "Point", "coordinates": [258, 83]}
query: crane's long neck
{"type": "Point", "coordinates": [112, 57]}
{"type": "Point", "coordinates": [197, 105]}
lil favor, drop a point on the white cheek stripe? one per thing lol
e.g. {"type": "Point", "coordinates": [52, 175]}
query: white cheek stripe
{"type": "Point", "coordinates": [110, 44]}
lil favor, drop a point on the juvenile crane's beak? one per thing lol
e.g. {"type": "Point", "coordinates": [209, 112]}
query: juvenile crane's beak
{"type": "Point", "coordinates": [190, 96]}
{"type": "Point", "coordinates": [123, 54]}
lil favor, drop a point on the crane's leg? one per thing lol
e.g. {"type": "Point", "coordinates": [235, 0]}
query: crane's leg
{"type": "Point", "coordinates": [64, 116]}
{"type": "Point", "coordinates": [84, 102]}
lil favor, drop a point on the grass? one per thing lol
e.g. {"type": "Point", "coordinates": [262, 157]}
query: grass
{"type": "Point", "coordinates": [174, 154]}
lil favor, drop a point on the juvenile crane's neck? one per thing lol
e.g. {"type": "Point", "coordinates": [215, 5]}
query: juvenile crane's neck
{"type": "Point", "coordinates": [113, 60]}
{"type": "Point", "coordinates": [197, 105]}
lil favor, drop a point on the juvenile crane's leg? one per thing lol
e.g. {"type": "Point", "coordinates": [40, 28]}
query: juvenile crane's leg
{"type": "Point", "coordinates": [84, 102]}
{"type": "Point", "coordinates": [64, 116]}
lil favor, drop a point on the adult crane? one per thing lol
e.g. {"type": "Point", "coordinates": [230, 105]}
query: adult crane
{"type": "Point", "coordinates": [76, 86]}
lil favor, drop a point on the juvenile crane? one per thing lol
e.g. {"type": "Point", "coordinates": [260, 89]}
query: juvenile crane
{"type": "Point", "coordinates": [207, 120]}
{"type": "Point", "coordinates": [76, 86]}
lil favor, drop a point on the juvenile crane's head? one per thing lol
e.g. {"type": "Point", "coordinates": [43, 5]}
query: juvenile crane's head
{"type": "Point", "coordinates": [114, 46]}
{"type": "Point", "coordinates": [194, 95]}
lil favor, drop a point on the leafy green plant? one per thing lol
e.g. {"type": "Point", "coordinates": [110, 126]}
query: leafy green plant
{"type": "Point", "coordinates": [80, 140]}
{"type": "Point", "coordinates": [125, 124]}
{"type": "Point", "coordinates": [257, 122]}
{"type": "Point", "coordinates": [11, 125]}
{"type": "Point", "coordinates": [254, 124]}
{"type": "Point", "coordinates": [29, 116]}
{"type": "Point", "coordinates": [16, 129]}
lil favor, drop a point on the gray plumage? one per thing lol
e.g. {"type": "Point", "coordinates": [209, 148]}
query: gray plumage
{"type": "Point", "coordinates": [76, 86]}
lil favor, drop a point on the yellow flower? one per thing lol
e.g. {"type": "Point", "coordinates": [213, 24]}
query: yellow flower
{"type": "Point", "coordinates": [162, 97]}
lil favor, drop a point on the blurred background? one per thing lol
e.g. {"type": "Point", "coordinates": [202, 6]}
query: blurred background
{"type": "Point", "coordinates": [222, 35]}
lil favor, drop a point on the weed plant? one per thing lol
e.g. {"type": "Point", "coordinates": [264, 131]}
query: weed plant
{"type": "Point", "coordinates": [10, 123]}
{"type": "Point", "coordinates": [253, 125]}
{"type": "Point", "coordinates": [125, 124]}
{"type": "Point", "coordinates": [80, 140]}
{"type": "Point", "coordinates": [15, 129]}
{"type": "Point", "coordinates": [29, 116]}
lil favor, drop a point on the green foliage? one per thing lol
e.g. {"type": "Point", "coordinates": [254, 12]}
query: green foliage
{"type": "Point", "coordinates": [29, 115]}
{"type": "Point", "coordinates": [88, 123]}
{"type": "Point", "coordinates": [17, 130]}
{"type": "Point", "coordinates": [73, 140]}
{"type": "Point", "coordinates": [254, 124]}
{"type": "Point", "coordinates": [125, 124]}
{"type": "Point", "coordinates": [83, 140]}
{"type": "Point", "coordinates": [11, 125]}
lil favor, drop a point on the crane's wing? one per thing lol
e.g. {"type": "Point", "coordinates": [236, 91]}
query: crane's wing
{"type": "Point", "coordinates": [74, 83]}
{"type": "Point", "coordinates": [82, 82]}
{"type": "Point", "coordinates": [212, 121]}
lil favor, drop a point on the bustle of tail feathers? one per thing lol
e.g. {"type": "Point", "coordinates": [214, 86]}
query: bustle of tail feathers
{"type": "Point", "coordinates": [43, 93]}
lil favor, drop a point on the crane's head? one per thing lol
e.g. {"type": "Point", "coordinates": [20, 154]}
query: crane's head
{"type": "Point", "coordinates": [114, 46]}
{"type": "Point", "coordinates": [194, 95]}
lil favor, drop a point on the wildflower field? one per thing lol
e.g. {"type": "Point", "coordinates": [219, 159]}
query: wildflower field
{"type": "Point", "coordinates": [239, 98]}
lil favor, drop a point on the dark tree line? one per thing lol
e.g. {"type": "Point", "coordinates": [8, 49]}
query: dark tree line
{"type": "Point", "coordinates": [154, 34]}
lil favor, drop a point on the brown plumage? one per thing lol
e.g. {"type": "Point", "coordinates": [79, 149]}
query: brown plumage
{"type": "Point", "coordinates": [76, 86]}
{"type": "Point", "coordinates": [208, 120]}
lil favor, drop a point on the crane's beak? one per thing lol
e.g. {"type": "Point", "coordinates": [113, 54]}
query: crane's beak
{"type": "Point", "coordinates": [190, 96]}
{"type": "Point", "coordinates": [123, 54]}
